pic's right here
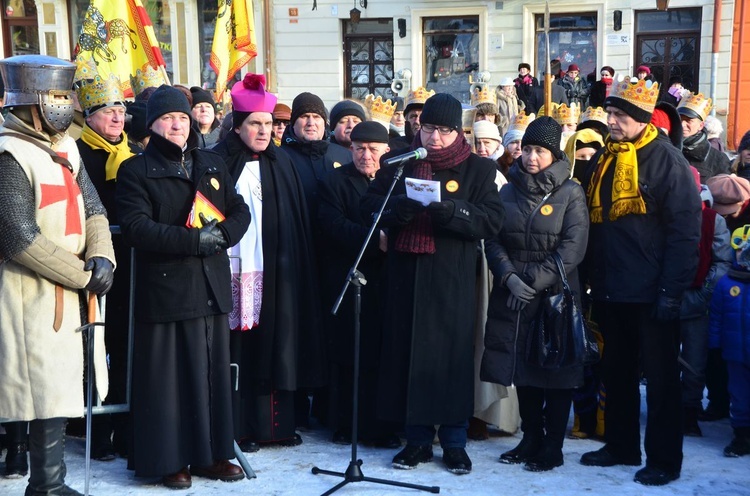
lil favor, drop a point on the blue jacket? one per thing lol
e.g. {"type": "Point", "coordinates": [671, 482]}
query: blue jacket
{"type": "Point", "coordinates": [730, 316]}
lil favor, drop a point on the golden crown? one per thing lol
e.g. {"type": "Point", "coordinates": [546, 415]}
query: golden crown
{"type": "Point", "coordinates": [418, 96]}
{"type": "Point", "coordinates": [542, 111]}
{"type": "Point", "coordinates": [521, 121]}
{"type": "Point", "coordinates": [641, 93]}
{"type": "Point", "coordinates": [594, 114]}
{"type": "Point", "coordinates": [481, 93]}
{"type": "Point", "coordinates": [567, 115]}
{"type": "Point", "coordinates": [698, 103]}
{"type": "Point", "coordinates": [380, 110]}
{"type": "Point", "coordinates": [97, 91]}
{"type": "Point", "coordinates": [146, 77]}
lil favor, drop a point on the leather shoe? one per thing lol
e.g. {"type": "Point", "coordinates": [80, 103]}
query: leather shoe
{"type": "Point", "coordinates": [221, 470]}
{"type": "Point", "coordinates": [248, 446]}
{"type": "Point", "coordinates": [178, 480]}
{"type": "Point", "coordinates": [652, 476]}
{"type": "Point", "coordinates": [528, 447]}
{"type": "Point", "coordinates": [456, 460]}
{"type": "Point", "coordinates": [295, 440]}
{"type": "Point", "coordinates": [411, 456]}
{"type": "Point", "coordinates": [545, 460]}
{"type": "Point", "coordinates": [605, 458]}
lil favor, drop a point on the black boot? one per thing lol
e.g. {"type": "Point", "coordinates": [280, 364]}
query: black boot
{"type": "Point", "coordinates": [690, 425]}
{"type": "Point", "coordinates": [531, 406]}
{"type": "Point", "coordinates": [46, 450]}
{"type": "Point", "coordinates": [16, 461]}
{"type": "Point", "coordinates": [101, 438]}
{"type": "Point", "coordinates": [740, 445]}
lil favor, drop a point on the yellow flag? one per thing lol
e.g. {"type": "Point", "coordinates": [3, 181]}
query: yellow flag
{"type": "Point", "coordinates": [234, 41]}
{"type": "Point", "coordinates": [117, 37]}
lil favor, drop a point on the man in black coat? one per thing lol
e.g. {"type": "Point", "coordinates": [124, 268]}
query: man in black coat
{"type": "Point", "coordinates": [642, 255]}
{"type": "Point", "coordinates": [696, 148]}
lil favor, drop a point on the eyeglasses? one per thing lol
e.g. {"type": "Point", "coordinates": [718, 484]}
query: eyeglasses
{"type": "Point", "coordinates": [444, 130]}
{"type": "Point", "coordinates": [279, 123]}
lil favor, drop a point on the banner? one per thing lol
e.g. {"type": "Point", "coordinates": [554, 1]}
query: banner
{"type": "Point", "coordinates": [117, 38]}
{"type": "Point", "coordinates": [234, 41]}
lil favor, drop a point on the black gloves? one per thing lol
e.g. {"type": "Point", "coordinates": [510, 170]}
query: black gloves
{"type": "Point", "coordinates": [102, 275]}
{"type": "Point", "coordinates": [406, 209]}
{"type": "Point", "coordinates": [211, 240]}
{"type": "Point", "coordinates": [667, 308]}
{"type": "Point", "coordinates": [441, 212]}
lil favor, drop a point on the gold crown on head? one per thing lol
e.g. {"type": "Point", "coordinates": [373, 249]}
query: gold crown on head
{"type": "Point", "coordinates": [541, 112]}
{"type": "Point", "coordinates": [380, 110]}
{"type": "Point", "coordinates": [698, 103]}
{"type": "Point", "coordinates": [567, 115]}
{"type": "Point", "coordinates": [641, 93]}
{"type": "Point", "coordinates": [98, 92]}
{"type": "Point", "coordinates": [481, 93]}
{"type": "Point", "coordinates": [146, 77]}
{"type": "Point", "coordinates": [521, 121]}
{"type": "Point", "coordinates": [594, 114]}
{"type": "Point", "coordinates": [418, 96]}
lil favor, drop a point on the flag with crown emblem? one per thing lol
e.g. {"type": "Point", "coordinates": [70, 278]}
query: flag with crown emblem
{"type": "Point", "coordinates": [117, 38]}
{"type": "Point", "coordinates": [234, 41]}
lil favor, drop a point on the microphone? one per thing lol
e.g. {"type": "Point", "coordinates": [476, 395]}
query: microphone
{"type": "Point", "coordinates": [417, 154]}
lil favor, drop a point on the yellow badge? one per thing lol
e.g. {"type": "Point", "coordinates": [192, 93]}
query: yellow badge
{"type": "Point", "coordinates": [336, 165]}
{"type": "Point", "coordinates": [451, 186]}
{"type": "Point", "coordinates": [215, 183]}
{"type": "Point", "coordinates": [546, 209]}
{"type": "Point", "coordinates": [734, 291]}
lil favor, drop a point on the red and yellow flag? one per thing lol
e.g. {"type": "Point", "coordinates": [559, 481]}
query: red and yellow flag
{"type": "Point", "coordinates": [234, 41]}
{"type": "Point", "coordinates": [117, 37]}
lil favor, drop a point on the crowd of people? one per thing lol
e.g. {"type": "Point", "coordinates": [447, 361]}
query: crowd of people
{"type": "Point", "coordinates": [244, 228]}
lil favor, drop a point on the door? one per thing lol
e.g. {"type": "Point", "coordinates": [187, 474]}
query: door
{"type": "Point", "coordinates": [368, 56]}
{"type": "Point", "coordinates": [20, 27]}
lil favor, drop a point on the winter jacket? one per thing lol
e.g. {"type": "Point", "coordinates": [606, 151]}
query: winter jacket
{"type": "Point", "coordinates": [210, 138]}
{"type": "Point", "coordinates": [598, 93]}
{"type": "Point", "coordinates": [546, 213]}
{"type": "Point", "coordinates": [536, 99]}
{"type": "Point", "coordinates": [576, 89]}
{"type": "Point", "coordinates": [507, 108]}
{"type": "Point", "coordinates": [701, 155]}
{"type": "Point", "coordinates": [631, 259]}
{"type": "Point", "coordinates": [524, 87]}
{"type": "Point", "coordinates": [730, 316]}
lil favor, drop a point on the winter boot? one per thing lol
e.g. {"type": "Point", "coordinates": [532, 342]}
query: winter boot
{"type": "Point", "coordinates": [690, 425]}
{"type": "Point", "coordinates": [477, 429]}
{"type": "Point", "coordinates": [740, 445]}
{"type": "Point", "coordinates": [46, 450]}
{"type": "Point", "coordinates": [16, 461]}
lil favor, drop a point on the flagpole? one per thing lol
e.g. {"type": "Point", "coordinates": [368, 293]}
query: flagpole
{"type": "Point", "coordinates": [547, 78]}
{"type": "Point", "coordinates": [164, 73]}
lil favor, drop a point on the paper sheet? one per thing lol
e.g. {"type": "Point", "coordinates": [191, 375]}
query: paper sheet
{"type": "Point", "coordinates": [422, 190]}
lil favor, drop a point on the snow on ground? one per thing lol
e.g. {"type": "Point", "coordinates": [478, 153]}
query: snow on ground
{"type": "Point", "coordinates": [287, 471]}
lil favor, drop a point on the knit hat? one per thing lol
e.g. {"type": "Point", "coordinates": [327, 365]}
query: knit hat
{"type": "Point", "coordinates": [573, 67]}
{"type": "Point", "coordinates": [164, 100]}
{"type": "Point", "coordinates": [486, 129]}
{"type": "Point", "coordinates": [637, 99]}
{"type": "Point", "coordinates": [664, 110]}
{"type": "Point", "coordinates": [643, 68]}
{"type": "Point", "coordinates": [282, 112]}
{"type": "Point", "coordinates": [250, 95]}
{"type": "Point", "coordinates": [512, 135]}
{"type": "Point", "coordinates": [344, 108]}
{"type": "Point", "coordinates": [744, 143]}
{"type": "Point", "coordinates": [546, 132]}
{"type": "Point", "coordinates": [307, 103]}
{"type": "Point", "coordinates": [660, 119]}
{"type": "Point", "coordinates": [369, 132]}
{"type": "Point", "coordinates": [201, 96]}
{"type": "Point", "coordinates": [729, 192]}
{"type": "Point", "coordinates": [137, 129]}
{"type": "Point", "coordinates": [442, 109]}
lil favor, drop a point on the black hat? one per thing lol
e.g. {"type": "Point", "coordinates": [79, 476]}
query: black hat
{"type": "Point", "coordinates": [307, 103]}
{"type": "Point", "coordinates": [164, 100]}
{"type": "Point", "coordinates": [201, 96]}
{"type": "Point", "coordinates": [369, 132]}
{"type": "Point", "coordinates": [744, 143]}
{"type": "Point", "coordinates": [522, 65]}
{"type": "Point", "coordinates": [546, 132]}
{"type": "Point", "coordinates": [344, 108]}
{"type": "Point", "coordinates": [137, 129]}
{"type": "Point", "coordinates": [442, 109]}
{"type": "Point", "coordinates": [399, 104]}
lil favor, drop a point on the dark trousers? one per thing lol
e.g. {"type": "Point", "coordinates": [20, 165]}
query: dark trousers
{"type": "Point", "coordinates": [450, 436]}
{"type": "Point", "coordinates": [544, 414]}
{"type": "Point", "coordinates": [629, 330]}
{"type": "Point", "coordinates": [716, 381]}
{"type": "Point", "coordinates": [694, 337]}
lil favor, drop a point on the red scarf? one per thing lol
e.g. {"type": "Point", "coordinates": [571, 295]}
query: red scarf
{"type": "Point", "coordinates": [416, 236]}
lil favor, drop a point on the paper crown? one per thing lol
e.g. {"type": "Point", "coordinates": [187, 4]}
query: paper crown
{"type": "Point", "coordinates": [521, 121]}
{"type": "Point", "coordinates": [418, 96]}
{"type": "Point", "coordinates": [567, 115]}
{"type": "Point", "coordinates": [541, 112]}
{"type": "Point", "coordinates": [380, 110]}
{"type": "Point", "coordinates": [146, 77]}
{"type": "Point", "coordinates": [98, 92]}
{"type": "Point", "coordinates": [594, 114]}
{"type": "Point", "coordinates": [641, 93]}
{"type": "Point", "coordinates": [696, 104]}
{"type": "Point", "coordinates": [480, 89]}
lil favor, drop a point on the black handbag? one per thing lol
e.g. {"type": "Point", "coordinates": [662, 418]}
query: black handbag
{"type": "Point", "coordinates": [559, 336]}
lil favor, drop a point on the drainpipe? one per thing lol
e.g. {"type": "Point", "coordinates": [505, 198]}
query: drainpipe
{"type": "Point", "coordinates": [267, 62]}
{"type": "Point", "coordinates": [741, 22]}
{"type": "Point", "coordinates": [715, 52]}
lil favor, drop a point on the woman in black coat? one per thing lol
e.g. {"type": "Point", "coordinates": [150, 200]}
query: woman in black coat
{"type": "Point", "coordinates": [546, 213]}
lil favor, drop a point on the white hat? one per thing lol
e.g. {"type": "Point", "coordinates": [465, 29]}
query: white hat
{"type": "Point", "coordinates": [506, 81]}
{"type": "Point", "coordinates": [486, 129]}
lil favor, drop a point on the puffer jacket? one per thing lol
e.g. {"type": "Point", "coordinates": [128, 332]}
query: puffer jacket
{"type": "Point", "coordinates": [730, 316]}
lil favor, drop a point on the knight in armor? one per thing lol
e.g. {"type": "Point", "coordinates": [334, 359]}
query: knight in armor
{"type": "Point", "coordinates": [54, 243]}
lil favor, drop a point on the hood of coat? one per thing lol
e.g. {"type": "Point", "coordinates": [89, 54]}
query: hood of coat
{"type": "Point", "coordinates": [542, 182]}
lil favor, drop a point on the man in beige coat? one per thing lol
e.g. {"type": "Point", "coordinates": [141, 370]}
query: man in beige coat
{"type": "Point", "coordinates": [54, 242]}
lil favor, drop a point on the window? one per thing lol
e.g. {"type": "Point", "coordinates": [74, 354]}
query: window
{"type": "Point", "coordinates": [572, 40]}
{"type": "Point", "coordinates": [451, 53]}
{"type": "Point", "coordinates": [368, 55]}
{"type": "Point", "coordinates": [20, 27]}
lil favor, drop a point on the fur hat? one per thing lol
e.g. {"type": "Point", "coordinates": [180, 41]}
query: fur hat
{"type": "Point", "coordinates": [546, 132]}
{"type": "Point", "coordinates": [344, 108]}
{"type": "Point", "coordinates": [729, 192]}
{"type": "Point", "coordinates": [442, 110]}
{"type": "Point", "coordinates": [522, 65]}
{"type": "Point", "coordinates": [307, 103]}
{"type": "Point", "coordinates": [369, 132]}
{"type": "Point", "coordinates": [164, 100]}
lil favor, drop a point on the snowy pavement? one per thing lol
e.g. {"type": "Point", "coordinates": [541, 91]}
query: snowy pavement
{"type": "Point", "coordinates": [287, 471]}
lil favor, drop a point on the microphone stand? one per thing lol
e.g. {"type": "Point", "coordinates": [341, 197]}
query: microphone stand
{"type": "Point", "coordinates": [353, 472]}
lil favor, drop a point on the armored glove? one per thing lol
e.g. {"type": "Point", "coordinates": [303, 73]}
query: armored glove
{"type": "Point", "coordinates": [520, 289]}
{"type": "Point", "coordinates": [515, 303]}
{"type": "Point", "coordinates": [102, 275]}
{"type": "Point", "coordinates": [406, 209]}
{"type": "Point", "coordinates": [441, 212]}
{"type": "Point", "coordinates": [667, 308]}
{"type": "Point", "coordinates": [211, 239]}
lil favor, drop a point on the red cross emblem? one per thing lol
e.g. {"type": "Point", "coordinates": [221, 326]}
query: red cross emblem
{"type": "Point", "coordinates": [54, 193]}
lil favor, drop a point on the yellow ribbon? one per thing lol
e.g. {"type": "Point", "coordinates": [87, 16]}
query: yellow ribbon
{"type": "Point", "coordinates": [117, 153]}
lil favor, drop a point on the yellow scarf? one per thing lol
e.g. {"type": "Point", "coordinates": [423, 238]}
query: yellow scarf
{"type": "Point", "coordinates": [626, 197]}
{"type": "Point", "coordinates": [117, 153]}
